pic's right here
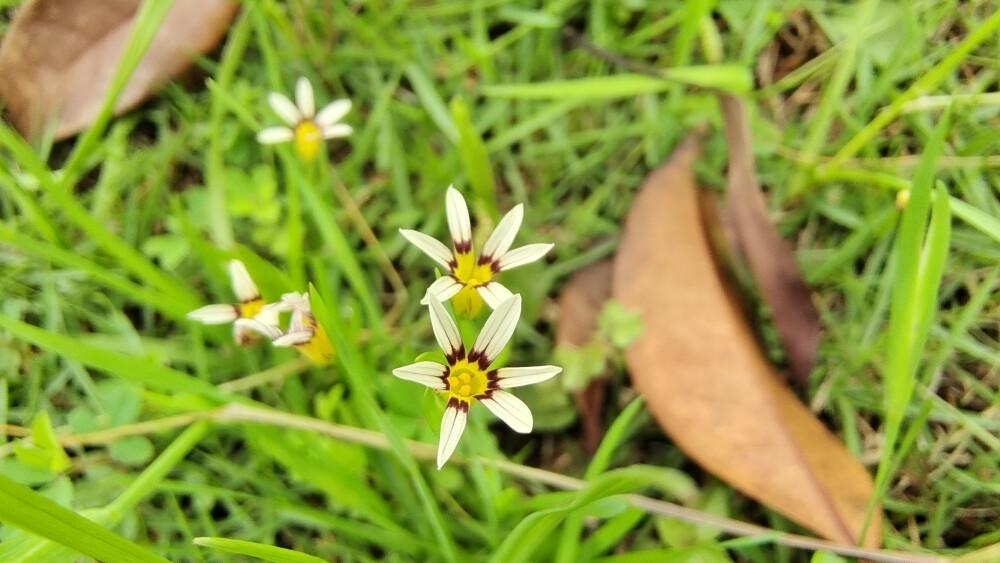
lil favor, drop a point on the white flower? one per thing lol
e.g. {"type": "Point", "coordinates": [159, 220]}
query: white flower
{"type": "Point", "coordinates": [468, 377]}
{"type": "Point", "coordinates": [250, 307]}
{"type": "Point", "coordinates": [470, 281]}
{"type": "Point", "coordinates": [304, 332]}
{"type": "Point", "coordinates": [305, 127]}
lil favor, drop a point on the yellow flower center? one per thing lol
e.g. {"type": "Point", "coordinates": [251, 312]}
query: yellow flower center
{"type": "Point", "coordinates": [249, 309]}
{"type": "Point", "coordinates": [467, 301]}
{"type": "Point", "coordinates": [317, 349]}
{"type": "Point", "coordinates": [308, 138]}
{"type": "Point", "coordinates": [470, 273]}
{"type": "Point", "coordinates": [466, 381]}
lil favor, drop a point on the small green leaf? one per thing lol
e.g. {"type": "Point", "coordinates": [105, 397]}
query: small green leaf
{"type": "Point", "coordinates": [132, 450]}
{"type": "Point", "coordinates": [42, 450]}
{"type": "Point", "coordinates": [258, 550]}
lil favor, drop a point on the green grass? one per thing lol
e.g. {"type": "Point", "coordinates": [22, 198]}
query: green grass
{"type": "Point", "coordinates": [109, 239]}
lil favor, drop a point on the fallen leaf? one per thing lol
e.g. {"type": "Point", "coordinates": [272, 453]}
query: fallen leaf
{"type": "Point", "coordinates": [57, 59]}
{"type": "Point", "coordinates": [705, 378]}
{"type": "Point", "coordinates": [771, 259]}
{"type": "Point", "coordinates": [580, 304]}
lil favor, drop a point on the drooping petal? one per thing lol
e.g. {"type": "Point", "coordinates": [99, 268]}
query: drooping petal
{"type": "Point", "coordinates": [519, 377]}
{"type": "Point", "coordinates": [215, 314]}
{"type": "Point", "coordinates": [444, 288]}
{"type": "Point", "coordinates": [496, 332]}
{"type": "Point", "coordinates": [458, 220]}
{"type": "Point", "coordinates": [523, 255]}
{"type": "Point", "coordinates": [243, 285]}
{"type": "Point", "coordinates": [452, 426]}
{"type": "Point", "coordinates": [295, 338]}
{"type": "Point", "coordinates": [511, 410]}
{"type": "Point", "coordinates": [429, 374]}
{"type": "Point", "coordinates": [273, 135]}
{"type": "Point", "coordinates": [290, 301]}
{"type": "Point", "coordinates": [494, 293]}
{"type": "Point", "coordinates": [284, 107]}
{"type": "Point", "coordinates": [304, 97]}
{"type": "Point", "coordinates": [332, 113]}
{"type": "Point", "coordinates": [503, 236]}
{"type": "Point", "coordinates": [243, 325]}
{"type": "Point", "coordinates": [445, 331]}
{"type": "Point", "coordinates": [430, 246]}
{"type": "Point", "coordinates": [336, 131]}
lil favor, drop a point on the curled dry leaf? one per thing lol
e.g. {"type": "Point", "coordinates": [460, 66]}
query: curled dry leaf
{"type": "Point", "coordinates": [770, 258]}
{"type": "Point", "coordinates": [707, 381]}
{"type": "Point", "coordinates": [580, 304]}
{"type": "Point", "coordinates": [57, 59]}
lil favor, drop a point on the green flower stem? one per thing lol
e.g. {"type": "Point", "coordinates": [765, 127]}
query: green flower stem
{"type": "Point", "coordinates": [158, 470]}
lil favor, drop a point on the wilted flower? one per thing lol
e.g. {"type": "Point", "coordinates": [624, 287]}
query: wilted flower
{"type": "Point", "coordinates": [251, 306]}
{"type": "Point", "coordinates": [470, 281]}
{"type": "Point", "coordinates": [304, 332]}
{"type": "Point", "coordinates": [305, 127]}
{"type": "Point", "coordinates": [468, 378]}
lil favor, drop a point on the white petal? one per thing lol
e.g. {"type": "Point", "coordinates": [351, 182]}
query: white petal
{"type": "Point", "coordinates": [524, 255]}
{"type": "Point", "coordinates": [444, 328]}
{"type": "Point", "coordinates": [243, 325]}
{"type": "Point", "coordinates": [430, 245]}
{"type": "Point", "coordinates": [293, 338]}
{"type": "Point", "coordinates": [494, 293]}
{"type": "Point", "coordinates": [511, 410]}
{"type": "Point", "coordinates": [425, 373]}
{"type": "Point", "coordinates": [452, 426]}
{"type": "Point", "coordinates": [444, 288]}
{"type": "Point", "coordinates": [288, 302]}
{"type": "Point", "coordinates": [267, 316]}
{"type": "Point", "coordinates": [243, 285]}
{"type": "Point", "coordinates": [519, 377]}
{"type": "Point", "coordinates": [503, 236]}
{"type": "Point", "coordinates": [215, 314]}
{"type": "Point", "coordinates": [332, 113]}
{"type": "Point", "coordinates": [273, 135]}
{"type": "Point", "coordinates": [496, 332]}
{"type": "Point", "coordinates": [336, 131]}
{"type": "Point", "coordinates": [304, 98]}
{"type": "Point", "coordinates": [458, 220]}
{"type": "Point", "coordinates": [285, 109]}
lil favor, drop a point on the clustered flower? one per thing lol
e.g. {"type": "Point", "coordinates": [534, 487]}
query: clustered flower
{"type": "Point", "coordinates": [253, 318]}
{"type": "Point", "coordinates": [468, 375]}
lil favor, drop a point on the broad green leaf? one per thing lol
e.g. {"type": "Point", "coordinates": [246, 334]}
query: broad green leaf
{"type": "Point", "coordinates": [258, 550]}
{"type": "Point", "coordinates": [24, 508]}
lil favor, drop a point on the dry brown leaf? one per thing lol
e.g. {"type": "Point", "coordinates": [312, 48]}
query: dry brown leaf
{"type": "Point", "coordinates": [771, 259]}
{"type": "Point", "coordinates": [580, 304]}
{"type": "Point", "coordinates": [57, 59]}
{"type": "Point", "coordinates": [707, 381]}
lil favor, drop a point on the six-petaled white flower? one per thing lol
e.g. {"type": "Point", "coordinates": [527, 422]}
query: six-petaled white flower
{"type": "Point", "coordinates": [469, 377]}
{"type": "Point", "coordinates": [251, 306]}
{"type": "Point", "coordinates": [304, 332]}
{"type": "Point", "coordinates": [469, 281]}
{"type": "Point", "coordinates": [306, 128]}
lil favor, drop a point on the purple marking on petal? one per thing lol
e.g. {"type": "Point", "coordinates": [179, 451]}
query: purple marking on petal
{"type": "Point", "coordinates": [458, 355]}
{"type": "Point", "coordinates": [462, 247]}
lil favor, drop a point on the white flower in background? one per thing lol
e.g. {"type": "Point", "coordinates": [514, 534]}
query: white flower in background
{"type": "Point", "coordinates": [468, 378]}
{"type": "Point", "coordinates": [304, 332]}
{"type": "Point", "coordinates": [305, 127]}
{"type": "Point", "coordinates": [250, 306]}
{"type": "Point", "coordinates": [469, 281]}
